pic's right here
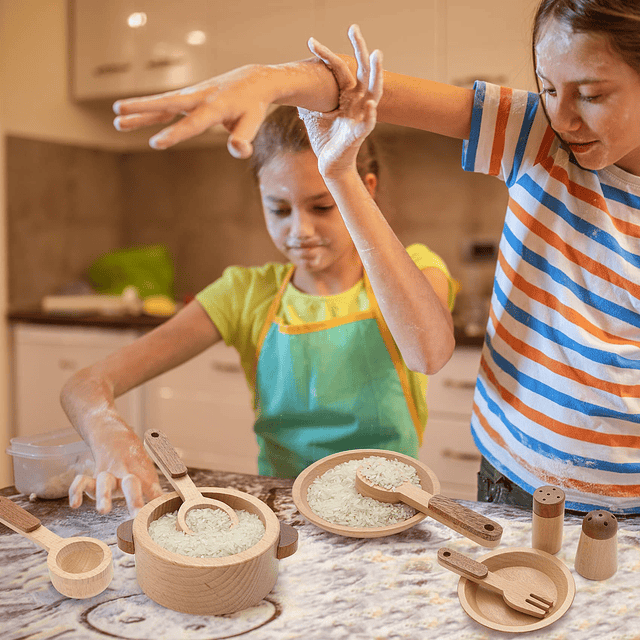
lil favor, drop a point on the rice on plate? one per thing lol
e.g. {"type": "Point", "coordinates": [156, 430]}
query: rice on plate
{"type": "Point", "coordinates": [212, 535]}
{"type": "Point", "coordinates": [333, 496]}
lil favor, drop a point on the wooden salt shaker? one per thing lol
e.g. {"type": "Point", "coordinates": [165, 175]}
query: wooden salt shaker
{"type": "Point", "coordinates": [548, 519]}
{"type": "Point", "coordinates": [597, 555]}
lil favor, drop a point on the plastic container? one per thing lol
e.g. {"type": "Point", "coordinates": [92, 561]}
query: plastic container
{"type": "Point", "coordinates": [45, 464]}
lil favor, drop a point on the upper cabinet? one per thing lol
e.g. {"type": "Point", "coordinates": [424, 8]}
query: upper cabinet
{"type": "Point", "coordinates": [135, 47]}
{"type": "Point", "coordinates": [126, 47]}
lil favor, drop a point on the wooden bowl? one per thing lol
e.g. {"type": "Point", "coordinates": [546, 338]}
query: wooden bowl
{"type": "Point", "coordinates": [545, 573]}
{"type": "Point", "coordinates": [428, 481]}
{"type": "Point", "coordinates": [207, 586]}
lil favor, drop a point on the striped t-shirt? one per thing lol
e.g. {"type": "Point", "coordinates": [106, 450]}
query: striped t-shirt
{"type": "Point", "coordinates": [558, 394]}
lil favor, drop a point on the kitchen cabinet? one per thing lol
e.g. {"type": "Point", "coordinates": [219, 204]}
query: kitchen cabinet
{"type": "Point", "coordinates": [205, 408]}
{"type": "Point", "coordinates": [135, 47]}
{"type": "Point", "coordinates": [173, 44]}
{"type": "Point", "coordinates": [448, 446]}
{"type": "Point", "coordinates": [126, 47]}
{"type": "Point", "coordinates": [45, 358]}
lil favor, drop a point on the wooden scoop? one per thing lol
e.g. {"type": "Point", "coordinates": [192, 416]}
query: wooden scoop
{"type": "Point", "coordinates": [517, 594]}
{"type": "Point", "coordinates": [166, 457]}
{"type": "Point", "coordinates": [78, 567]}
{"type": "Point", "coordinates": [470, 524]}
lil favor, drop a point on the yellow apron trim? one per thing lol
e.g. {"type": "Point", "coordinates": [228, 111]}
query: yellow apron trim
{"type": "Point", "coordinates": [271, 314]}
{"type": "Point", "coordinates": [311, 327]}
{"type": "Point", "coordinates": [374, 311]}
{"type": "Point", "coordinates": [396, 358]}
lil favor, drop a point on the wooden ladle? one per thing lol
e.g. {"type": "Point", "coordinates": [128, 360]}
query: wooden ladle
{"type": "Point", "coordinates": [470, 524]}
{"type": "Point", "coordinates": [79, 567]}
{"type": "Point", "coordinates": [166, 457]}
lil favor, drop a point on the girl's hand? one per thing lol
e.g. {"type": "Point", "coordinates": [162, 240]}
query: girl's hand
{"type": "Point", "coordinates": [122, 466]}
{"type": "Point", "coordinates": [232, 100]}
{"type": "Point", "coordinates": [336, 137]}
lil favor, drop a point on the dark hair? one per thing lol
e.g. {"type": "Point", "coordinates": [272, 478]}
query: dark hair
{"type": "Point", "coordinates": [282, 131]}
{"type": "Point", "coordinates": [618, 20]}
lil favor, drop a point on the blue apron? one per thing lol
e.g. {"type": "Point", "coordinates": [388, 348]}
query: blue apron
{"type": "Point", "coordinates": [330, 386]}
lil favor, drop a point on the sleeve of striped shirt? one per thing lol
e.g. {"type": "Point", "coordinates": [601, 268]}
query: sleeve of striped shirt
{"type": "Point", "coordinates": [507, 130]}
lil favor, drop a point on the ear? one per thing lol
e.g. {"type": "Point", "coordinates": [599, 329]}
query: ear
{"type": "Point", "coordinates": [371, 182]}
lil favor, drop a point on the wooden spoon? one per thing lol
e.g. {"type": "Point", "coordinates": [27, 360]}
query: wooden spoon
{"type": "Point", "coordinates": [166, 457]}
{"type": "Point", "coordinates": [78, 567]}
{"type": "Point", "coordinates": [470, 524]}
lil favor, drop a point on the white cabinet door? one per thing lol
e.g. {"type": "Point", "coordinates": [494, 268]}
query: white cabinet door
{"type": "Point", "coordinates": [132, 47]}
{"type": "Point", "coordinates": [205, 409]}
{"type": "Point", "coordinates": [407, 33]}
{"type": "Point", "coordinates": [44, 359]}
{"type": "Point", "coordinates": [489, 40]}
{"type": "Point", "coordinates": [448, 446]}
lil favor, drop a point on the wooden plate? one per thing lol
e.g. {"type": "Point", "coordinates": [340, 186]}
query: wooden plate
{"type": "Point", "coordinates": [428, 480]}
{"type": "Point", "coordinates": [544, 572]}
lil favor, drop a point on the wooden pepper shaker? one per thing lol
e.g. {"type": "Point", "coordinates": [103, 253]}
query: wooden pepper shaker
{"type": "Point", "coordinates": [597, 555]}
{"type": "Point", "coordinates": [548, 519]}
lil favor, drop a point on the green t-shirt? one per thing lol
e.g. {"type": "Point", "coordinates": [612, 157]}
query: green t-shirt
{"type": "Point", "coordinates": [238, 304]}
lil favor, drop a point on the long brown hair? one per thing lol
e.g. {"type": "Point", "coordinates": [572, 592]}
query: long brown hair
{"type": "Point", "coordinates": [618, 20]}
{"type": "Point", "coordinates": [283, 131]}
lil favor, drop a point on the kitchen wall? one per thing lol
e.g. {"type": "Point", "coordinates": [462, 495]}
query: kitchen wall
{"type": "Point", "coordinates": [68, 204]}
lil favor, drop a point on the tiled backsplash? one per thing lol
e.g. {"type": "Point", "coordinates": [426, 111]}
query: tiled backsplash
{"type": "Point", "coordinates": [67, 205]}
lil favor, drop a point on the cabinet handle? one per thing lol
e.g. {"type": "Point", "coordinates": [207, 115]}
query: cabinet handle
{"type": "Point", "coordinates": [226, 367]}
{"type": "Point", "coordinates": [111, 68]}
{"type": "Point", "coordinates": [450, 383]}
{"type": "Point", "coordinates": [461, 455]}
{"type": "Point", "coordinates": [67, 365]}
{"type": "Point", "coordinates": [158, 63]}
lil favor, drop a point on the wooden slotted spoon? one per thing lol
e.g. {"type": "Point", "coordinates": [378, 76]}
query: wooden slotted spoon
{"type": "Point", "coordinates": [166, 457]}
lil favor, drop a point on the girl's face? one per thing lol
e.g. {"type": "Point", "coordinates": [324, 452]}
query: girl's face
{"type": "Point", "coordinates": [302, 217]}
{"type": "Point", "coordinates": [592, 97]}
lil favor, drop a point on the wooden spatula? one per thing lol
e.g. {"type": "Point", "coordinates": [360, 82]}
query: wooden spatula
{"type": "Point", "coordinates": [516, 594]}
{"type": "Point", "coordinates": [468, 523]}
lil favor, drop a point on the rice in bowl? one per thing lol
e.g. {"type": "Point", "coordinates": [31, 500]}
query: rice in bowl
{"type": "Point", "coordinates": [333, 496]}
{"type": "Point", "coordinates": [212, 535]}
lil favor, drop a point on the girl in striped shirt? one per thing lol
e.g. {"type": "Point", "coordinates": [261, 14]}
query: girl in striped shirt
{"type": "Point", "coordinates": [558, 394]}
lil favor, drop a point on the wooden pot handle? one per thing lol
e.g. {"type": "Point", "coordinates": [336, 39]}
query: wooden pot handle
{"type": "Point", "coordinates": [288, 543]}
{"type": "Point", "coordinates": [125, 537]}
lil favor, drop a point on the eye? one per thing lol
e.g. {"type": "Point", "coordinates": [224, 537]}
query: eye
{"type": "Point", "coordinates": [595, 98]}
{"type": "Point", "coordinates": [324, 209]}
{"type": "Point", "coordinates": [547, 91]}
{"type": "Point", "coordinates": [280, 213]}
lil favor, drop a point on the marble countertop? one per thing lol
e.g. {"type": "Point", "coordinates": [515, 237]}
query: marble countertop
{"type": "Point", "coordinates": [333, 587]}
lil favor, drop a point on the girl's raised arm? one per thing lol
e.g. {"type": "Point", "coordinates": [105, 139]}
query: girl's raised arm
{"type": "Point", "coordinates": [413, 303]}
{"type": "Point", "coordinates": [238, 100]}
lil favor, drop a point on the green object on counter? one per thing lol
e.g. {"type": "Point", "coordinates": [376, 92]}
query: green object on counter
{"type": "Point", "coordinates": [148, 268]}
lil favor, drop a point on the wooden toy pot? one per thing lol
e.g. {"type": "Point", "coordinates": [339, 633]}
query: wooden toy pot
{"type": "Point", "coordinates": [597, 554]}
{"type": "Point", "coordinates": [548, 519]}
{"type": "Point", "coordinates": [207, 586]}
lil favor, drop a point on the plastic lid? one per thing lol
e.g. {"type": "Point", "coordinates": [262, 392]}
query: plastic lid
{"type": "Point", "coordinates": [52, 444]}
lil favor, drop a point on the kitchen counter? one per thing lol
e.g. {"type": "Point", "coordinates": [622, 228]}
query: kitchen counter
{"type": "Point", "coordinates": [332, 588]}
{"type": "Point", "coordinates": [101, 321]}
{"type": "Point", "coordinates": [36, 315]}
